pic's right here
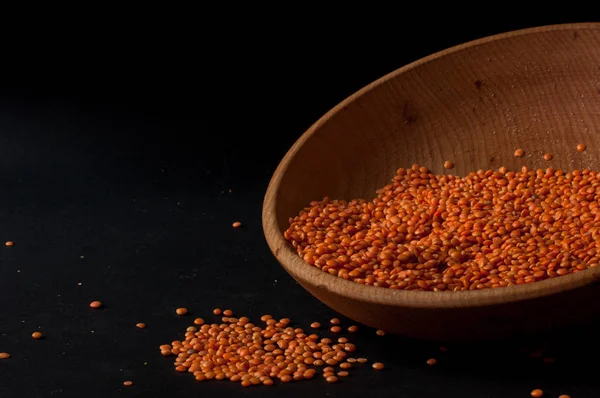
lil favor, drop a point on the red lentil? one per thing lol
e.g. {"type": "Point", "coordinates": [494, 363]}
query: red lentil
{"type": "Point", "coordinates": [140, 325]}
{"type": "Point", "coordinates": [228, 313]}
{"type": "Point", "coordinates": [448, 164]}
{"type": "Point", "coordinates": [431, 361]}
{"type": "Point", "coordinates": [519, 153]}
{"type": "Point", "coordinates": [445, 233]}
{"type": "Point", "coordinates": [240, 351]}
{"type": "Point", "coordinates": [217, 311]}
{"type": "Point", "coordinates": [537, 393]}
{"type": "Point", "coordinates": [548, 156]}
{"type": "Point", "coordinates": [181, 311]}
{"type": "Point", "coordinates": [236, 224]}
{"type": "Point", "coordinates": [9, 243]}
{"type": "Point", "coordinates": [353, 329]}
{"type": "Point", "coordinates": [380, 332]}
{"type": "Point", "coordinates": [315, 325]}
{"type": "Point", "coordinates": [362, 360]}
{"type": "Point", "coordinates": [4, 355]}
{"type": "Point", "coordinates": [95, 304]}
{"type": "Point", "coordinates": [378, 366]}
{"type": "Point", "coordinates": [198, 321]}
{"type": "Point", "coordinates": [336, 329]}
{"type": "Point", "coordinates": [564, 396]}
{"type": "Point", "coordinates": [36, 335]}
{"type": "Point", "coordinates": [127, 383]}
{"type": "Point", "coordinates": [581, 147]}
{"type": "Point", "coordinates": [334, 321]}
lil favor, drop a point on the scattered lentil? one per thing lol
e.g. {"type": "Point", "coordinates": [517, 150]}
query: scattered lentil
{"type": "Point", "coordinates": [564, 396]}
{"type": "Point", "coordinates": [217, 311]}
{"type": "Point", "coordinates": [4, 355]}
{"type": "Point", "coordinates": [581, 147]}
{"type": "Point", "coordinates": [343, 373]}
{"type": "Point", "coordinates": [9, 243]}
{"type": "Point", "coordinates": [140, 325]}
{"type": "Point", "coordinates": [446, 233]}
{"type": "Point", "coordinates": [36, 335]}
{"type": "Point", "coordinates": [537, 393]}
{"type": "Point", "coordinates": [378, 366]}
{"type": "Point", "coordinates": [336, 329]}
{"type": "Point", "coordinates": [127, 383]}
{"type": "Point", "coordinates": [431, 361]}
{"type": "Point", "coordinates": [228, 313]}
{"type": "Point", "coordinates": [548, 156]}
{"type": "Point", "coordinates": [198, 321]}
{"type": "Point", "coordinates": [353, 329]}
{"type": "Point", "coordinates": [95, 304]}
{"type": "Point", "coordinates": [334, 321]}
{"type": "Point", "coordinates": [181, 311]}
{"type": "Point", "coordinates": [315, 325]}
{"type": "Point", "coordinates": [236, 224]}
{"type": "Point", "coordinates": [519, 153]}
{"type": "Point", "coordinates": [331, 379]}
{"type": "Point", "coordinates": [362, 360]}
{"type": "Point", "coordinates": [448, 164]}
{"type": "Point", "coordinates": [380, 332]}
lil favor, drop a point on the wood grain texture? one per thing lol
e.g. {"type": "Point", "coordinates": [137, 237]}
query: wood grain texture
{"type": "Point", "coordinates": [474, 104]}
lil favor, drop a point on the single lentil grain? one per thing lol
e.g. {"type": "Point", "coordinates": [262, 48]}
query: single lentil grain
{"type": "Point", "coordinates": [217, 311]}
{"type": "Point", "coordinates": [448, 164]}
{"type": "Point", "coordinates": [236, 224]}
{"type": "Point", "coordinates": [380, 332]}
{"type": "Point", "coordinates": [127, 383]}
{"type": "Point", "coordinates": [140, 325]}
{"type": "Point", "coordinates": [334, 321]}
{"type": "Point", "coordinates": [336, 329]}
{"type": "Point", "coordinates": [353, 329]}
{"type": "Point", "coordinates": [36, 335]}
{"type": "Point", "coordinates": [95, 304]}
{"type": "Point", "coordinates": [343, 373]}
{"type": "Point", "coordinates": [4, 355]}
{"type": "Point", "coordinates": [345, 365]}
{"type": "Point", "coordinates": [362, 360]}
{"type": "Point", "coordinates": [228, 313]}
{"type": "Point", "coordinates": [581, 147]}
{"type": "Point", "coordinates": [198, 321]}
{"type": "Point", "coordinates": [519, 153]}
{"type": "Point", "coordinates": [315, 325]}
{"type": "Point", "coordinates": [378, 366]}
{"type": "Point", "coordinates": [537, 393]}
{"type": "Point", "coordinates": [547, 156]}
{"type": "Point", "coordinates": [431, 361]}
{"type": "Point", "coordinates": [181, 311]}
{"type": "Point", "coordinates": [9, 243]}
{"type": "Point", "coordinates": [564, 396]}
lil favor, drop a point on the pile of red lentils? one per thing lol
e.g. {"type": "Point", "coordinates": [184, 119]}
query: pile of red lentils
{"type": "Point", "coordinates": [240, 351]}
{"type": "Point", "coordinates": [489, 229]}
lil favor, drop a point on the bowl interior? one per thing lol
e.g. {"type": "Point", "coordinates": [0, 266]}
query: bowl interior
{"type": "Point", "coordinates": [537, 89]}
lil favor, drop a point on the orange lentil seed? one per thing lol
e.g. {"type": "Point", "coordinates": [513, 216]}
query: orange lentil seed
{"type": "Point", "coordinates": [331, 379]}
{"type": "Point", "coordinates": [315, 325]}
{"type": "Point", "coordinates": [236, 224]}
{"type": "Point", "coordinates": [361, 360]}
{"type": "Point", "coordinates": [519, 153]}
{"type": "Point", "coordinates": [378, 366]}
{"type": "Point", "coordinates": [380, 332]}
{"type": "Point", "coordinates": [9, 243]}
{"type": "Point", "coordinates": [334, 321]}
{"type": "Point", "coordinates": [343, 373]}
{"type": "Point", "coordinates": [336, 329]}
{"type": "Point", "coordinates": [140, 325]}
{"type": "Point", "coordinates": [448, 165]}
{"type": "Point", "coordinates": [431, 361]}
{"type": "Point", "coordinates": [581, 147]}
{"type": "Point", "coordinates": [353, 329]}
{"type": "Point", "coordinates": [564, 396]}
{"type": "Point", "coordinates": [95, 304]}
{"type": "Point", "coordinates": [217, 311]}
{"type": "Point", "coordinates": [537, 393]}
{"type": "Point", "coordinates": [4, 355]}
{"type": "Point", "coordinates": [127, 383]}
{"type": "Point", "coordinates": [36, 335]}
{"type": "Point", "coordinates": [181, 311]}
{"type": "Point", "coordinates": [228, 313]}
{"type": "Point", "coordinates": [547, 156]}
{"type": "Point", "coordinates": [198, 321]}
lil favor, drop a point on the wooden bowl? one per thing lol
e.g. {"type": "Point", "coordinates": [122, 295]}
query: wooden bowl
{"type": "Point", "coordinates": [536, 89]}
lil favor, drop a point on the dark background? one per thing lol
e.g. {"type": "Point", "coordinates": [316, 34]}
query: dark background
{"type": "Point", "coordinates": [127, 152]}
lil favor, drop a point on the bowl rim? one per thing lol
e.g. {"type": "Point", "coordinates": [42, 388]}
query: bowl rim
{"type": "Point", "coordinates": [306, 274]}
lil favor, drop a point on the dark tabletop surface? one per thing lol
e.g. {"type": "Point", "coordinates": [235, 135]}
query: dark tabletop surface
{"type": "Point", "coordinates": [123, 163]}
